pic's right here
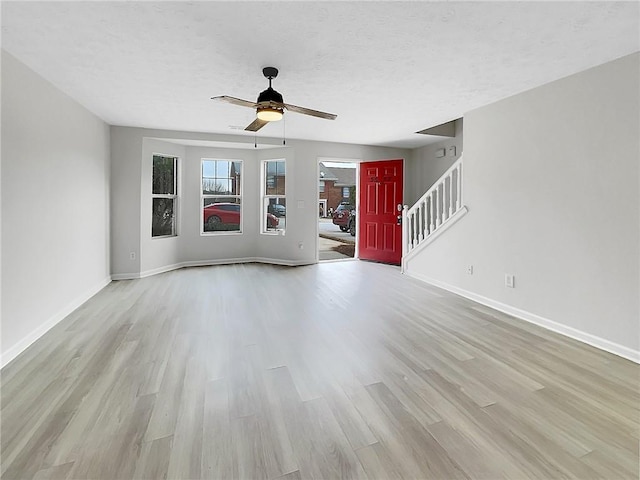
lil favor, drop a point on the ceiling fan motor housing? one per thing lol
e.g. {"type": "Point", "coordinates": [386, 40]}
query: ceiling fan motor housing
{"type": "Point", "coordinates": [270, 112]}
{"type": "Point", "coordinates": [270, 95]}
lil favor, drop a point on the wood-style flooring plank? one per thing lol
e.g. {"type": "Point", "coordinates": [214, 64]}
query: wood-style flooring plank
{"type": "Point", "coordinates": [291, 476]}
{"type": "Point", "coordinates": [217, 449]}
{"type": "Point", "coordinates": [153, 462]}
{"type": "Point", "coordinates": [433, 459]}
{"type": "Point", "coordinates": [255, 371]}
{"type": "Point", "coordinates": [165, 414]}
{"type": "Point", "coordinates": [116, 455]}
{"type": "Point", "coordinates": [58, 472]}
{"type": "Point", "coordinates": [185, 458]}
{"type": "Point", "coordinates": [319, 444]}
{"type": "Point", "coordinates": [378, 463]}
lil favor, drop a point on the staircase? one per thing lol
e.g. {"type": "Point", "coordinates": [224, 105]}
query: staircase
{"type": "Point", "coordinates": [439, 208]}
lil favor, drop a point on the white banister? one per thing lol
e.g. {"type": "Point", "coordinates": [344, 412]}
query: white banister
{"type": "Point", "coordinates": [435, 208]}
{"type": "Point", "coordinates": [438, 205]}
{"type": "Point", "coordinates": [458, 186]}
{"type": "Point", "coordinates": [419, 223]}
{"type": "Point", "coordinates": [451, 193]}
{"type": "Point", "coordinates": [414, 231]}
{"type": "Point", "coordinates": [431, 225]}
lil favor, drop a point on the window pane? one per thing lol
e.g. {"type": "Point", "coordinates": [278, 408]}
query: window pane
{"type": "Point", "coordinates": [163, 217]}
{"type": "Point", "coordinates": [221, 214]}
{"type": "Point", "coordinates": [275, 177]}
{"type": "Point", "coordinates": [221, 177]}
{"type": "Point", "coordinates": [321, 184]}
{"type": "Point", "coordinates": [208, 175]}
{"type": "Point", "coordinates": [235, 174]}
{"type": "Point", "coordinates": [276, 213]}
{"type": "Point", "coordinates": [222, 169]}
{"type": "Point", "coordinates": [164, 175]}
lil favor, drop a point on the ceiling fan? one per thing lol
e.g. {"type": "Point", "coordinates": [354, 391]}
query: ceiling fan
{"type": "Point", "coordinates": [270, 105]}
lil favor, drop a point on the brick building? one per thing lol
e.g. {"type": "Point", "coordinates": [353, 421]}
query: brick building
{"type": "Point", "coordinates": [335, 187]}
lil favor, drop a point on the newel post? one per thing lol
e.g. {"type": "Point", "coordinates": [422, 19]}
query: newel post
{"type": "Point", "coordinates": [405, 230]}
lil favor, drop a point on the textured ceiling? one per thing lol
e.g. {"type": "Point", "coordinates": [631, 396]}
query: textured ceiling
{"type": "Point", "coordinates": [387, 69]}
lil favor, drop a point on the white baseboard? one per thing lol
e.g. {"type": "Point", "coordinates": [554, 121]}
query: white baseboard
{"type": "Point", "coordinates": [163, 269]}
{"type": "Point", "coordinates": [124, 276]}
{"type": "Point", "coordinates": [206, 263]}
{"type": "Point", "coordinates": [571, 332]}
{"type": "Point", "coordinates": [22, 345]}
{"type": "Point", "coordinates": [287, 263]}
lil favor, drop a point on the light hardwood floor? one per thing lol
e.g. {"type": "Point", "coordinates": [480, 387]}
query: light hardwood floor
{"type": "Point", "coordinates": [336, 370]}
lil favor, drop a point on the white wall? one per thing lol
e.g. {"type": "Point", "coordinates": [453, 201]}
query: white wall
{"type": "Point", "coordinates": [551, 182]}
{"type": "Point", "coordinates": [424, 168]}
{"type": "Point", "coordinates": [55, 206]}
{"type": "Point", "coordinates": [132, 149]}
{"type": "Point", "coordinates": [126, 171]}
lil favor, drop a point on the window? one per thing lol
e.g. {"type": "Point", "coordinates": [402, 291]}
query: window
{"type": "Point", "coordinates": [221, 196]}
{"type": "Point", "coordinates": [274, 201]}
{"type": "Point", "coordinates": [345, 192]}
{"type": "Point", "coordinates": [164, 194]}
{"type": "Point", "coordinates": [321, 185]}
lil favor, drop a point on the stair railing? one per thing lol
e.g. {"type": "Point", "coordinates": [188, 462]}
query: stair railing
{"type": "Point", "coordinates": [434, 209]}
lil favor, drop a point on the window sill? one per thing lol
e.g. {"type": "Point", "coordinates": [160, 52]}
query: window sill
{"type": "Point", "coordinates": [157, 237]}
{"type": "Point", "coordinates": [274, 233]}
{"type": "Point", "coordinates": [217, 234]}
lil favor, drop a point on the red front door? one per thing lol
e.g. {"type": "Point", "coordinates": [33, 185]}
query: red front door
{"type": "Point", "coordinates": [379, 231]}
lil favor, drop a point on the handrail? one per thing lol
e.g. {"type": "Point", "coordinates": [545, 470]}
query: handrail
{"type": "Point", "coordinates": [438, 204]}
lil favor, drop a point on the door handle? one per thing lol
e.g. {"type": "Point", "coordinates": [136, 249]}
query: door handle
{"type": "Point", "coordinates": [399, 222]}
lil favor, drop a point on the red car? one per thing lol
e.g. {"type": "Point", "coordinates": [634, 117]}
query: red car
{"type": "Point", "coordinates": [343, 216]}
{"type": "Point", "coordinates": [226, 216]}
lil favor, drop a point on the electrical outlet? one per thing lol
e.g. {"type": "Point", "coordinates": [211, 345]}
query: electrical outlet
{"type": "Point", "coordinates": [132, 255]}
{"type": "Point", "coordinates": [509, 280]}
{"type": "Point", "coordinates": [301, 245]}
{"type": "Point", "coordinates": [470, 269]}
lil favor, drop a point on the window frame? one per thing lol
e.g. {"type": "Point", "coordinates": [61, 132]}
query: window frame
{"type": "Point", "coordinates": [175, 197]}
{"type": "Point", "coordinates": [239, 197]}
{"type": "Point", "coordinates": [264, 197]}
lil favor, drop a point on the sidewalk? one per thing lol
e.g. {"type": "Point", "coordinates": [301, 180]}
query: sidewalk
{"type": "Point", "coordinates": [326, 249]}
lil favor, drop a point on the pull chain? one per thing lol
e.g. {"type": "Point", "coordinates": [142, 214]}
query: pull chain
{"type": "Point", "coordinates": [284, 131]}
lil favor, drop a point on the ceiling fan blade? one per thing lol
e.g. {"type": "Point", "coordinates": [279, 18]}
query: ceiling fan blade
{"type": "Point", "coordinates": [309, 111]}
{"type": "Point", "coordinates": [256, 125]}
{"type": "Point", "coordinates": [235, 101]}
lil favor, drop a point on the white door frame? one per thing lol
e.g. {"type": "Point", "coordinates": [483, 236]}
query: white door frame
{"type": "Point", "coordinates": [323, 202]}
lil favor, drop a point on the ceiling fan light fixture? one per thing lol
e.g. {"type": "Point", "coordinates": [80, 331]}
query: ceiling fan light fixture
{"type": "Point", "coordinates": [270, 105]}
{"type": "Point", "coordinates": [269, 114]}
